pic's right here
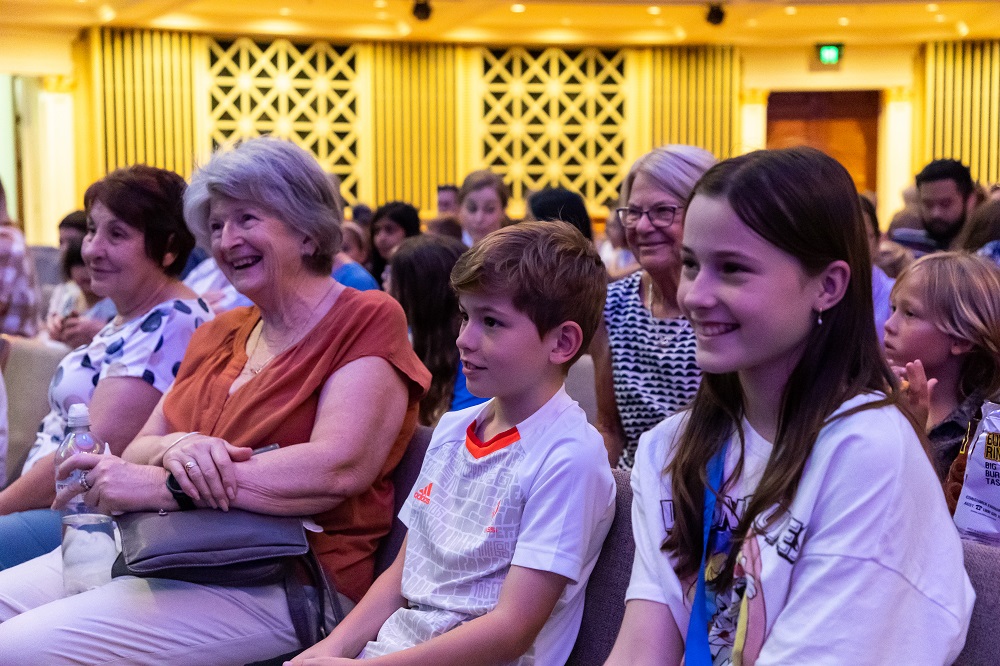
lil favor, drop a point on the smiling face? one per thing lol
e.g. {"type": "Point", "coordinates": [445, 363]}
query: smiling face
{"type": "Point", "coordinates": [657, 249]}
{"type": "Point", "coordinates": [502, 354]}
{"type": "Point", "coordinates": [115, 254]}
{"type": "Point", "coordinates": [481, 212]}
{"type": "Point", "coordinates": [752, 305]}
{"type": "Point", "coordinates": [910, 334]}
{"type": "Point", "coordinates": [256, 251]}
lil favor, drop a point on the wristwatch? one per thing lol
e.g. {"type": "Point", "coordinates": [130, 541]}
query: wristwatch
{"type": "Point", "coordinates": [183, 500]}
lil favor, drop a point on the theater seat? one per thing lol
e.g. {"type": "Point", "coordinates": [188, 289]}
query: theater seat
{"type": "Point", "coordinates": [28, 365]}
{"type": "Point", "coordinates": [403, 479]}
{"type": "Point", "coordinates": [604, 605]}
{"type": "Point", "coordinates": [982, 563]}
{"type": "Point", "coordinates": [580, 386]}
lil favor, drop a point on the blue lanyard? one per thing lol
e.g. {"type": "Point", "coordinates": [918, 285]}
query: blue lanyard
{"type": "Point", "coordinates": [696, 649]}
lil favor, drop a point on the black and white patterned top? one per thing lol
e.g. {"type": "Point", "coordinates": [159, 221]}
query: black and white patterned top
{"type": "Point", "coordinates": [652, 361]}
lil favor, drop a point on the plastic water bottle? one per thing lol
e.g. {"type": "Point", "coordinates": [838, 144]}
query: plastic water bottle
{"type": "Point", "coordinates": [88, 537]}
{"type": "Point", "coordinates": [78, 440]}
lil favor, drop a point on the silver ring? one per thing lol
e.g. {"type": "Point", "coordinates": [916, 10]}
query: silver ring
{"type": "Point", "coordinates": [190, 464]}
{"type": "Point", "coordinates": [83, 482]}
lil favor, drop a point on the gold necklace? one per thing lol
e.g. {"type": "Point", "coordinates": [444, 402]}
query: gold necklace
{"type": "Point", "coordinates": [256, 371]}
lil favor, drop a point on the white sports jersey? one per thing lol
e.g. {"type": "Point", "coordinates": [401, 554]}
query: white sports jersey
{"type": "Point", "coordinates": [540, 495]}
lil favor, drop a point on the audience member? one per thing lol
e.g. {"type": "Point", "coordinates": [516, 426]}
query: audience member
{"type": "Point", "coordinates": [945, 195]}
{"type": "Point", "coordinates": [420, 269]}
{"type": "Point", "coordinates": [19, 308]}
{"type": "Point", "coordinates": [982, 233]}
{"type": "Point", "coordinates": [135, 247]}
{"type": "Point", "coordinates": [558, 203]}
{"type": "Point", "coordinates": [76, 314]}
{"type": "Point", "coordinates": [324, 371]}
{"type": "Point", "coordinates": [944, 339]}
{"type": "Point", "coordinates": [390, 225]}
{"type": "Point", "coordinates": [356, 243]}
{"type": "Point", "coordinates": [447, 200]}
{"type": "Point", "coordinates": [617, 258]}
{"type": "Point", "coordinates": [208, 281]}
{"type": "Point", "coordinates": [445, 226]}
{"type": "Point", "coordinates": [361, 215]}
{"type": "Point", "coordinates": [72, 228]}
{"type": "Point", "coordinates": [643, 351]}
{"type": "Point", "coordinates": [881, 283]}
{"type": "Point", "coordinates": [482, 204]}
{"type": "Point", "coordinates": [793, 487]}
{"type": "Point", "coordinates": [526, 466]}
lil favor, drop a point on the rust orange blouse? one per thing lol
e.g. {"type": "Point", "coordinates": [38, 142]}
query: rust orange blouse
{"type": "Point", "coordinates": [279, 406]}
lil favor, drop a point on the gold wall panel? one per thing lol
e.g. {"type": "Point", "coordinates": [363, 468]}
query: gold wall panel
{"type": "Point", "coordinates": [962, 106]}
{"type": "Point", "coordinates": [695, 98]}
{"type": "Point", "coordinates": [143, 98]}
{"type": "Point", "coordinates": [307, 93]}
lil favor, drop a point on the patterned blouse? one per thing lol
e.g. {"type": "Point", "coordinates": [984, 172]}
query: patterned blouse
{"type": "Point", "coordinates": [150, 347]}
{"type": "Point", "coordinates": [652, 361]}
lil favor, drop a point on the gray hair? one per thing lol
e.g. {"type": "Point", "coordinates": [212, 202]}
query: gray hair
{"type": "Point", "coordinates": [279, 177]}
{"type": "Point", "coordinates": [675, 169]}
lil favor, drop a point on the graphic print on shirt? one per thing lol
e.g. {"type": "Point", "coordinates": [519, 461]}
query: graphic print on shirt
{"type": "Point", "coordinates": [739, 619]}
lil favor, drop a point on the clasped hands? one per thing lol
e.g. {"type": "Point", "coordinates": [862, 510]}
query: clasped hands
{"type": "Point", "coordinates": [203, 466]}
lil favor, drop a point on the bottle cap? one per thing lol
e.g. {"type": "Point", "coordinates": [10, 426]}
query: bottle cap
{"type": "Point", "coordinates": [79, 416]}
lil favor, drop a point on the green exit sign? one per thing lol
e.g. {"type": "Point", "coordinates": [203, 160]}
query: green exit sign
{"type": "Point", "coordinates": [829, 54]}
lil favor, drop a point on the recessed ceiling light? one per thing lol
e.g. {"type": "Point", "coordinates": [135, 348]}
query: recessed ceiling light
{"type": "Point", "coordinates": [381, 4]}
{"type": "Point", "coordinates": [791, 11]}
{"type": "Point", "coordinates": [843, 20]}
{"type": "Point", "coordinates": [284, 11]}
{"type": "Point", "coordinates": [106, 13]}
{"type": "Point", "coordinates": [518, 8]}
{"type": "Point", "coordinates": [963, 28]}
{"type": "Point", "coordinates": [940, 18]}
{"type": "Point", "coordinates": [932, 7]}
{"type": "Point", "coordinates": [653, 11]}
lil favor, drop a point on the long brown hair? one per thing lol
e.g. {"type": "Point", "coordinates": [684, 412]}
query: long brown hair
{"type": "Point", "coordinates": [805, 204]}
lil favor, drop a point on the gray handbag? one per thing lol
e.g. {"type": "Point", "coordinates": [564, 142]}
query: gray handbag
{"type": "Point", "coordinates": [228, 548]}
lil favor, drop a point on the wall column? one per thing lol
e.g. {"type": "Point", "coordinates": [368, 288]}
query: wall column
{"type": "Point", "coordinates": [753, 116]}
{"type": "Point", "coordinates": [895, 150]}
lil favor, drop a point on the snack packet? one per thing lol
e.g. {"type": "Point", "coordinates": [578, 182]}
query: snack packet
{"type": "Point", "coordinates": [977, 514]}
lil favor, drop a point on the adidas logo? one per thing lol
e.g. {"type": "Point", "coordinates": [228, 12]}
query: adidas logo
{"type": "Point", "coordinates": [424, 494]}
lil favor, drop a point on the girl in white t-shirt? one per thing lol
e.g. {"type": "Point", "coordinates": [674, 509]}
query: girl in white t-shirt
{"type": "Point", "coordinates": [829, 541]}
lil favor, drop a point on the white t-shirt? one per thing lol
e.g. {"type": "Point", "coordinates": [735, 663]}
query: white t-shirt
{"type": "Point", "coordinates": [865, 568]}
{"type": "Point", "coordinates": [539, 496]}
{"type": "Point", "coordinates": [149, 347]}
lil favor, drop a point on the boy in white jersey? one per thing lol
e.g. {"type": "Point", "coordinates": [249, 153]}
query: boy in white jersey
{"type": "Point", "coordinates": [515, 496]}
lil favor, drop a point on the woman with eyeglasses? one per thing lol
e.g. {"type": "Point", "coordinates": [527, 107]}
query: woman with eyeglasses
{"type": "Point", "coordinates": [644, 349]}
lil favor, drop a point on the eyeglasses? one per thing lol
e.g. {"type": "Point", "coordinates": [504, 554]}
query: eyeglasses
{"type": "Point", "coordinates": [660, 216]}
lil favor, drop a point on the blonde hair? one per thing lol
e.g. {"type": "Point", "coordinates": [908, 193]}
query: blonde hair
{"type": "Point", "coordinates": [962, 295]}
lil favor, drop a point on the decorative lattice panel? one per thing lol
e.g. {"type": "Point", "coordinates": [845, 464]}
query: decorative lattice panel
{"type": "Point", "coordinates": [303, 92]}
{"type": "Point", "coordinates": [696, 98]}
{"type": "Point", "coordinates": [962, 106]}
{"type": "Point", "coordinates": [143, 83]}
{"type": "Point", "coordinates": [555, 117]}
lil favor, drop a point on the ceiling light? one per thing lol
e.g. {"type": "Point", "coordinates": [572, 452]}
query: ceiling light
{"type": "Point", "coordinates": [518, 8]}
{"type": "Point", "coordinates": [106, 13]}
{"type": "Point", "coordinates": [843, 21]}
{"type": "Point", "coordinates": [716, 14]}
{"type": "Point", "coordinates": [940, 18]}
{"type": "Point", "coordinates": [381, 4]}
{"type": "Point", "coordinates": [653, 11]}
{"type": "Point", "coordinates": [963, 28]}
{"type": "Point", "coordinates": [791, 11]}
{"type": "Point", "coordinates": [421, 10]}
{"type": "Point", "coordinates": [932, 7]}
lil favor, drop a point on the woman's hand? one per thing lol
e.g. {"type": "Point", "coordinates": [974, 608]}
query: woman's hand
{"type": "Point", "coordinates": [77, 331]}
{"type": "Point", "coordinates": [204, 468]}
{"type": "Point", "coordinates": [116, 486]}
{"type": "Point", "coordinates": [916, 390]}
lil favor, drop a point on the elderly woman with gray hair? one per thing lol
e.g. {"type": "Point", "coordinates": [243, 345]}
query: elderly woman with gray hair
{"type": "Point", "coordinates": [322, 370]}
{"type": "Point", "coordinates": [643, 351]}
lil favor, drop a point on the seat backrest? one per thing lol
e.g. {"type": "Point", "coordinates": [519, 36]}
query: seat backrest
{"type": "Point", "coordinates": [982, 562]}
{"type": "Point", "coordinates": [580, 386]}
{"type": "Point", "coordinates": [27, 372]}
{"type": "Point", "coordinates": [47, 265]}
{"type": "Point", "coordinates": [604, 605]}
{"type": "Point", "coordinates": [403, 478]}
